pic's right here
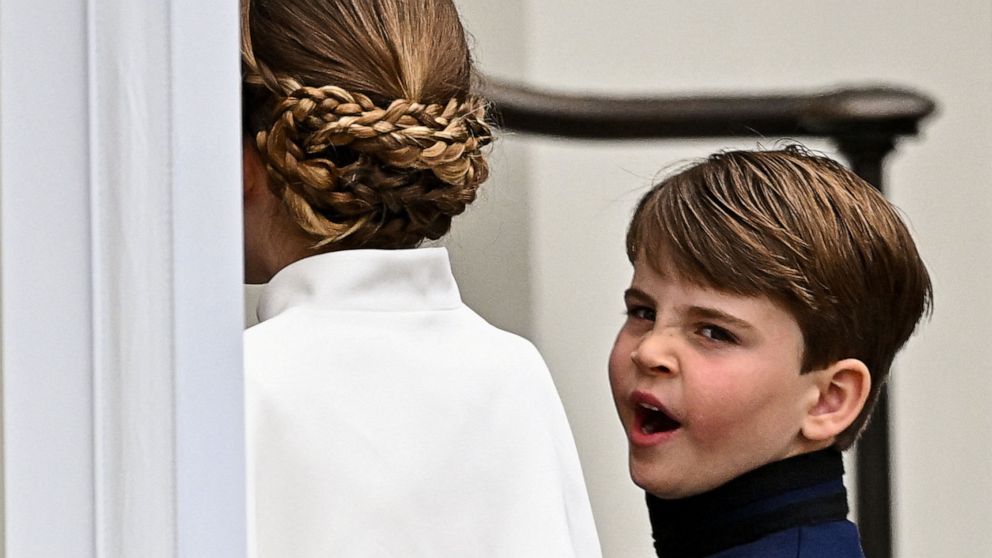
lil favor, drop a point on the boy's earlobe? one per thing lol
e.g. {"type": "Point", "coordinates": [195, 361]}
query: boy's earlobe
{"type": "Point", "coordinates": [842, 392]}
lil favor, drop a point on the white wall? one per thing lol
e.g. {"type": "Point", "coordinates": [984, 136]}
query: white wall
{"type": "Point", "coordinates": [556, 212]}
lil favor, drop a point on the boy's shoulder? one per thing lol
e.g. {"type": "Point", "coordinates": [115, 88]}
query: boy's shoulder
{"type": "Point", "coordinates": [836, 539]}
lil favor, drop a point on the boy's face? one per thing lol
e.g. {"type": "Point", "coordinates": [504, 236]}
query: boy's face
{"type": "Point", "coordinates": [707, 384]}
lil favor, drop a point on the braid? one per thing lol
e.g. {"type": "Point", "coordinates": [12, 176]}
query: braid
{"type": "Point", "coordinates": [413, 167]}
{"type": "Point", "coordinates": [363, 162]}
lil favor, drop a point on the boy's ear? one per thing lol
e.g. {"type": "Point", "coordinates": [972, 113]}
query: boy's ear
{"type": "Point", "coordinates": [842, 390]}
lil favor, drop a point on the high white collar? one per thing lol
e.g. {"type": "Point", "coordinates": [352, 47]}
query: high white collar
{"type": "Point", "coordinates": [364, 280]}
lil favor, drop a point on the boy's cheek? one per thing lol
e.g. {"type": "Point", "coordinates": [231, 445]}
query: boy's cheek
{"type": "Point", "coordinates": [616, 386]}
{"type": "Point", "coordinates": [620, 380]}
{"type": "Point", "coordinates": [619, 363]}
{"type": "Point", "coordinates": [624, 344]}
{"type": "Point", "coordinates": [715, 419]}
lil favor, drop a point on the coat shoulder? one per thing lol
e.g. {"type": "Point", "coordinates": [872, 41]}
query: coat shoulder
{"type": "Point", "coordinates": [836, 539]}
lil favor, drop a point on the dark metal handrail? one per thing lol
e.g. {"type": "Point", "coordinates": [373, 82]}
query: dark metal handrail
{"type": "Point", "coordinates": [875, 110]}
{"type": "Point", "coordinates": [864, 122]}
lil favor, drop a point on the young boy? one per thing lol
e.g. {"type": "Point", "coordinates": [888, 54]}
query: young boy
{"type": "Point", "coordinates": [771, 291]}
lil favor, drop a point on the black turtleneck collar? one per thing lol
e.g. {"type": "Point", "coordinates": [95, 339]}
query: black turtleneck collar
{"type": "Point", "coordinates": [802, 490]}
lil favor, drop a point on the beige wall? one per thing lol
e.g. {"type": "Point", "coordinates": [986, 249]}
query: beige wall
{"type": "Point", "coordinates": [542, 252]}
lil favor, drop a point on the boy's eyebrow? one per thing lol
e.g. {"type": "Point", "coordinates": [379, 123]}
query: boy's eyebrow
{"type": "Point", "coordinates": [708, 313]}
{"type": "Point", "coordinates": [637, 295]}
{"type": "Point", "coordinates": [634, 294]}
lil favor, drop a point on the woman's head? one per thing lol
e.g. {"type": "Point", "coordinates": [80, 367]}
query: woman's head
{"type": "Point", "coordinates": [362, 114]}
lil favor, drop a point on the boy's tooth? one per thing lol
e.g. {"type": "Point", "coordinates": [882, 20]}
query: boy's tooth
{"type": "Point", "coordinates": [649, 407]}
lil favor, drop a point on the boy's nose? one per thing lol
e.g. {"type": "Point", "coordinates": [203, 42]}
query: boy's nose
{"type": "Point", "coordinates": [655, 354]}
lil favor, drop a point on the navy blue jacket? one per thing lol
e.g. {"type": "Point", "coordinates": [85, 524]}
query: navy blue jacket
{"type": "Point", "coordinates": [794, 508]}
{"type": "Point", "coordinates": [835, 539]}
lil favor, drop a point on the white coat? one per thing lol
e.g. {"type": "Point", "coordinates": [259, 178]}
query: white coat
{"type": "Point", "coordinates": [387, 419]}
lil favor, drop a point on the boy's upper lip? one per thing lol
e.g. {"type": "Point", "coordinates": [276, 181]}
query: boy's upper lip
{"type": "Point", "coordinates": [644, 398]}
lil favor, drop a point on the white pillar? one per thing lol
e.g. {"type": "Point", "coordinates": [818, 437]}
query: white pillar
{"type": "Point", "coordinates": [121, 268]}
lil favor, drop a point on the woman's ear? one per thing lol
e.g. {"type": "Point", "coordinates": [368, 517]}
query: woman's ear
{"type": "Point", "coordinates": [842, 392]}
{"type": "Point", "coordinates": [253, 172]}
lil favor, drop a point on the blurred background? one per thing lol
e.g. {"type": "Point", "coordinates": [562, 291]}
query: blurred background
{"type": "Point", "coordinates": [541, 253]}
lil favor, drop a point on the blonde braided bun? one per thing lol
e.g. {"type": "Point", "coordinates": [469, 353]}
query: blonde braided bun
{"type": "Point", "coordinates": [352, 172]}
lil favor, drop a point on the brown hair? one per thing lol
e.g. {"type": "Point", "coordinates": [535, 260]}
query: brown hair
{"type": "Point", "coordinates": [363, 115]}
{"type": "Point", "coordinates": [804, 231]}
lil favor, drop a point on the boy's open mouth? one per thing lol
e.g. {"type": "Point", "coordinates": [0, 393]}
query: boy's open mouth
{"type": "Point", "coordinates": [653, 420]}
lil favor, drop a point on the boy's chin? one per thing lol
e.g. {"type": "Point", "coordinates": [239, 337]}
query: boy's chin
{"type": "Point", "coordinates": [667, 492]}
{"type": "Point", "coordinates": [660, 485]}
{"type": "Point", "coordinates": [669, 484]}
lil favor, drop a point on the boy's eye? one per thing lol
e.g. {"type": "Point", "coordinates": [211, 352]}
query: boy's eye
{"type": "Point", "coordinates": [640, 313]}
{"type": "Point", "coordinates": [717, 333]}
